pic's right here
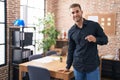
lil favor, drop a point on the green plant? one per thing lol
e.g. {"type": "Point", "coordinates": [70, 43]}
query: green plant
{"type": "Point", "coordinates": [50, 32]}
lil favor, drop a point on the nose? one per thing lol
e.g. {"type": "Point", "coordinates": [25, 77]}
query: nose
{"type": "Point", "coordinates": [75, 14]}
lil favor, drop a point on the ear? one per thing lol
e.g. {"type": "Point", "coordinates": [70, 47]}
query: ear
{"type": "Point", "coordinates": [81, 11]}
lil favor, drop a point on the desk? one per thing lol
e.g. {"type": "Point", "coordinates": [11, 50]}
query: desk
{"type": "Point", "coordinates": [52, 66]}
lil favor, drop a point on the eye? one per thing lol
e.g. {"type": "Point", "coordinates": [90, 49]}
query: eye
{"type": "Point", "coordinates": [77, 11]}
{"type": "Point", "coordinates": [73, 12]}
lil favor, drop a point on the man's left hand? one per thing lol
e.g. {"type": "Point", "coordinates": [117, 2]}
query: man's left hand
{"type": "Point", "coordinates": [90, 38]}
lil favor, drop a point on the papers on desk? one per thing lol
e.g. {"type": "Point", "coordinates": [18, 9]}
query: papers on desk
{"type": "Point", "coordinates": [108, 56]}
{"type": "Point", "coordinates": [47, 59]}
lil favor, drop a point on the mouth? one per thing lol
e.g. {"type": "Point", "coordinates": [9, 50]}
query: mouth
{"type": "Point", "coordinates": [77, 19]}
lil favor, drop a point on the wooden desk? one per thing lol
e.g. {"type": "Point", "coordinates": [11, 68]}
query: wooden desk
{"type": "Point", "coordinates": [52, 66]}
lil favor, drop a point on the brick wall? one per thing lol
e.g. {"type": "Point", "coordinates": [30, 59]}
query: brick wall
{"type": "Point", "coordinates": [4, 73]}
{"type": "Point", "coordinates": [13, 13]}
{"type": "Point", "coordinates": [64, 21]}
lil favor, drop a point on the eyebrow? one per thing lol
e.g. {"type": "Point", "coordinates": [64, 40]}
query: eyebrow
{"type": "Point", "coordinates": [75, 11]}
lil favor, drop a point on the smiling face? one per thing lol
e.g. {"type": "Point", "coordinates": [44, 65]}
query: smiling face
{"type": "Point", "coordinates": [76, 14]}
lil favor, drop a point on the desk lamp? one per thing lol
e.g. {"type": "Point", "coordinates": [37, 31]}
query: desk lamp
{"type": "Point", "coordinates": [19, 22]}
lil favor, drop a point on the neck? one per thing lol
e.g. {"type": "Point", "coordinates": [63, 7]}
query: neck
{"type": "Point", "coordinates": [80, 23]}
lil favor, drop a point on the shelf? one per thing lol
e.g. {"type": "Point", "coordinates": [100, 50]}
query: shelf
{"type": "Point", "coordinates": [19, 54]}
{"type": "Point", "coordinates": [61, 43]}
{"type": "Point", "coordinates": [62, 40]}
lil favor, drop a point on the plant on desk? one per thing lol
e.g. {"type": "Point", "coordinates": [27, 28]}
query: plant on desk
{"type": "Point", "coordinates": [50, 32]}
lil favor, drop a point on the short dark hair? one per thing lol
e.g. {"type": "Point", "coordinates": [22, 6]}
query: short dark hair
{"type": "Point", "coordinates": [75, 5]}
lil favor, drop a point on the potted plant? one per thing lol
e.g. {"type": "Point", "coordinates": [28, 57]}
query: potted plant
{"type": "Point", "coordinates": [50, 32]}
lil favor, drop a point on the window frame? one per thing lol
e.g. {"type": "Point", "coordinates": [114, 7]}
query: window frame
{"type": "Point", "coordinates": [25, 16]}
{"type": "Point", "coordinates": [5, 36]}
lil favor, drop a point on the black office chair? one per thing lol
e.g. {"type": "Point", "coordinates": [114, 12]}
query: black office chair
{"type": "Point", "coordinates": [35, 56]}
{"type": "Point", "coordinates": [31, 57]}
{"type": "Point", "coordinates": [51, 52]}
{"type": "Point", "coordinates": [38, 73]}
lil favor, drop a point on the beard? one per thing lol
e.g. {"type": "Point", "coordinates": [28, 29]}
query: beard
{"type": "Point", "coordinates": [78, 19]}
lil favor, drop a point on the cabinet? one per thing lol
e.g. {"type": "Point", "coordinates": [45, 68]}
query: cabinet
{"type": "Point", "coordinates": [61, 43]}
{"type": "Point", "coordinates": [111, 69]}
{"type": "Point", "coordinates": [21, 39]}
{"type": "Point", "coordinates": [61, 46]}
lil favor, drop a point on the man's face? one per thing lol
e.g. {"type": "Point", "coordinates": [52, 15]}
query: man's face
{"type": "Point", "coordinates": [76, 14]}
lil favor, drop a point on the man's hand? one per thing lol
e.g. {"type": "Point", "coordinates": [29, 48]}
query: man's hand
{"type": "Point", "coordinates": [66, 70]}
{"type": "Point", "coordinates": [63, 70]}
{"type": "Point", "coordinates": [90, 38]}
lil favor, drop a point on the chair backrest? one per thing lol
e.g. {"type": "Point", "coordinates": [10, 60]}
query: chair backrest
{"type": "Point", "coordinates": [36, 56]}
{"type": "Point", "coordinates": [51, 52]}
{"type": "Point", "coordinates": [64, 50]}
{"type": "Point", "coordinates": [38, 73]}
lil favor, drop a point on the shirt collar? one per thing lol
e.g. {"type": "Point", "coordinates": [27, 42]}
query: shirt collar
{"type": "Point", "coordinates": [85, 22]}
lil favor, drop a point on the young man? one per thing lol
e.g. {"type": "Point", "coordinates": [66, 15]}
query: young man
{"type": "Point", "coordinates": [83, 38]}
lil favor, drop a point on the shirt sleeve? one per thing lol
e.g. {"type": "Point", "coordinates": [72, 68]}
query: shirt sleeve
{"type": "Point", "coordinates": [71, 48]}
{"type": "Point", "coordinates": [101, 37]}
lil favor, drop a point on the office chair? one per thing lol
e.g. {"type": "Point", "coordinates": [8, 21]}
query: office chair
{"type": "Point", "coordinates": [51, 52]}
{"type": "Point", "coordinates": [38, 73]}
{"type": "Point", "coordinates": [36, 56]}
{"type": "Point", "coordinates": [31, 57]}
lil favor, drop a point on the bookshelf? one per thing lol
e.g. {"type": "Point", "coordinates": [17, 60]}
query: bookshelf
{"type": "Point", "coordinates": [19, 41]}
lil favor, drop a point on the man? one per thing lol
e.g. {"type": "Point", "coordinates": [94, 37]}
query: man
{"type": "Point", "coordinates": [83, 38]}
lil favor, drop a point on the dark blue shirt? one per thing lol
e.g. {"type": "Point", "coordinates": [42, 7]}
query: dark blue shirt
{"type": "Point", "coordinates": [81, 53]}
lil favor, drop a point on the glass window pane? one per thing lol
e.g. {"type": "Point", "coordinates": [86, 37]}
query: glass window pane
{"type": "Point", "coordinates": [2, 0]}
{"type": "Point", "coordinates": [2, 32]}
{"type": "Point", "coordinates": [37, 3]}
{"type": "Point", "coordinates": [30, 12]}
{"type": "Point", "coordinates": [21, 12]}
{"type": "Point", "coordinates": [2, 54]}
{"type": "Point", "coordinates": [2, 12]}
{"type": "Point", "coordinates": [34, 14]}
{"type": "Point", "coordinates": [23, 2]}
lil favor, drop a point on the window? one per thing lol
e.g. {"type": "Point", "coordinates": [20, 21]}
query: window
{"type": "Point", "coordinates": [30, 11]}
{"type": "Point", "coordinates": [2, 32]}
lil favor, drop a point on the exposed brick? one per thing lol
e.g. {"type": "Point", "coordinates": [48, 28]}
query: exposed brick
{"type": "Point", "coordinates": [13, 8]}
{"type": "Point", "coordinates": [63, 20]}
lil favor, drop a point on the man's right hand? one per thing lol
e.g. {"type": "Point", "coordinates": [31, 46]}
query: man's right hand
{"type": "Point", "coordinates": [63, 70]}
{"type": "Point", "coordinates": [66, 70]}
